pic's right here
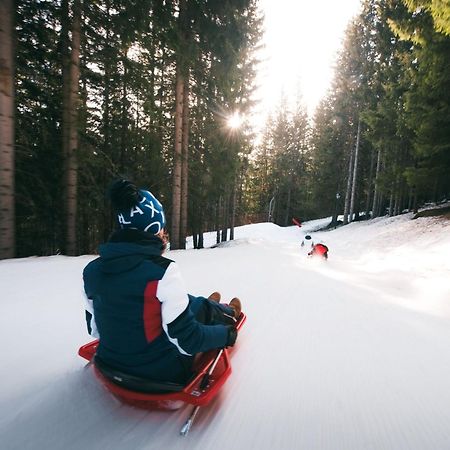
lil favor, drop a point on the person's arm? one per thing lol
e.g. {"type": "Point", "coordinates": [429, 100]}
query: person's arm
{"type": "Point", "coordinates": [178, 321]}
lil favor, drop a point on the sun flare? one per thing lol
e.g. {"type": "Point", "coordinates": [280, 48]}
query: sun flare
{"type": "Point", "coordinates": [235, 121]}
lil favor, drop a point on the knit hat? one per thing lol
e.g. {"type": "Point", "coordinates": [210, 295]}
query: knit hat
{"type": "Point", "coordinates": [136, 208]}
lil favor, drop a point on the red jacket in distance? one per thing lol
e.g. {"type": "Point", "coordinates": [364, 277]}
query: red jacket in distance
{"type": "Point", "coordinates": [319, 250]}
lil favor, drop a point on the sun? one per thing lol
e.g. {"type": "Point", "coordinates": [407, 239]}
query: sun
{"type": "Point", "coordinates": [235, 121]}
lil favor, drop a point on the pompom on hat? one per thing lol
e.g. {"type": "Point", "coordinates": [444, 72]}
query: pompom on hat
{"type": "Point", "coordinates": [136, 208]}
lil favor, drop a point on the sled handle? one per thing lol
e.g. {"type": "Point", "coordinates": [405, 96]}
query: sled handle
{"type": "Point", "coordinates": [203, 385]}
{"type": "Point", "coordinates": [205, 379]}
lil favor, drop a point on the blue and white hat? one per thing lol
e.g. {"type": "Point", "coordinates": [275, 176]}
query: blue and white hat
{"type": "Point", "coordinates": [147, 215]}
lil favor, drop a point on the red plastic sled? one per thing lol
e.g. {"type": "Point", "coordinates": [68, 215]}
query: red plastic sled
{"type": "Point", "coordinates": [210, 373]}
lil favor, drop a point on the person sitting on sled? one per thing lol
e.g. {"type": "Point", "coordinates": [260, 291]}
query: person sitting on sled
{"type": "Point", "coordinates": [137, 305]}
{"type": "Point", "coordinates": [320, 250]}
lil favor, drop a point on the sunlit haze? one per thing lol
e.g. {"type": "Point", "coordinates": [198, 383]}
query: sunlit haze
{"type": "Point", "coordinates": [235, 120]}
{"type": "Point", "coordinates": [302, 38]}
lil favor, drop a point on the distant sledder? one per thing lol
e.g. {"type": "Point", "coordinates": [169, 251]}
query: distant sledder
{"type": "Point", "coordinates": [319, 250]}
{"type": "Point", "coordinates": [315, 250]}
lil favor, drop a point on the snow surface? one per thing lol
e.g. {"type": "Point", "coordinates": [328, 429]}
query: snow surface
{"type": "Point", "coordinates": [351, 353]}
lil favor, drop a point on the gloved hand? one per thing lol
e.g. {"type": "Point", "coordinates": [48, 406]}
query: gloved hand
{"type": "Point", "coordinates": [217, 313]}
{"type": "Point", "coordinates": [232, 336]}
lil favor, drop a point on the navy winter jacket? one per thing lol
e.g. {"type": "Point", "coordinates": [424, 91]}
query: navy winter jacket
{"type": "Point", "coordinates": [139, 308]}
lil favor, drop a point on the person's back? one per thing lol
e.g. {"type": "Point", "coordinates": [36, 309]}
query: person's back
{"type": "Point", "coordinates": [122, 284]}
{"type": "Point", "coordinates": [139, 307]}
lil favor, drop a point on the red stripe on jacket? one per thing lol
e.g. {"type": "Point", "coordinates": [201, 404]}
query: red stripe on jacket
{"type": "Point", "coordinates": [152, 312]}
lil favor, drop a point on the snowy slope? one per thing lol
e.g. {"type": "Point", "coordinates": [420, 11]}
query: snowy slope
{"type": "Point", "coordinates": [351, 353]}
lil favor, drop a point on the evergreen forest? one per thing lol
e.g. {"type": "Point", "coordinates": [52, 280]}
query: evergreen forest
{"type": "Point", "coordinates": [95, 90]}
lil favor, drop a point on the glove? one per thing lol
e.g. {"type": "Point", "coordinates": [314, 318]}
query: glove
{"type": "Point", "coordinates": [216, 314]}
{"type": "Point", "coordinates": [232, 336]}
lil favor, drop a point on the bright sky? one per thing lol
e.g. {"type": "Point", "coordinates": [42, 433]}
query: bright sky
{"type": "Point", "coordinates": [301, 40]}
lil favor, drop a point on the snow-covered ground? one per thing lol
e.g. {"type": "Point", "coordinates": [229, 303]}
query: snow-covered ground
{"type": "Point", "coordinates": [351, 353]}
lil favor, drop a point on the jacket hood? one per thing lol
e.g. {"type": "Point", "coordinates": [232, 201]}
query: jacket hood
{"type": "Point", "coordinates": [118, 256]}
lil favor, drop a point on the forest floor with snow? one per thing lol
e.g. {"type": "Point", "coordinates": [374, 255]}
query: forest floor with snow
{"type": "Point", "coordinates": [349, 353]}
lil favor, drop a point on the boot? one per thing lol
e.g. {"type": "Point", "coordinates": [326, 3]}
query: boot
{"type": "Point", "coordinates": [215, 297]}
{"type": "Point", "coordinates": [235, 304]}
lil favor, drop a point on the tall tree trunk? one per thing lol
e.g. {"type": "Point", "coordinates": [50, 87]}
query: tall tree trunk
{"type": "Point", "coordinates": [106, 119]}
{"type": "Point", "coordinates": [86, 243]}
{"type": "Point", "coordinates": [124, 116]}
{"type": "Point", "coordinates": [218, 212]}
{"type": "Point", "coordinates": [415, 203]}
{"type": "Point", "coordinates": [349, 187]}
{"type": "Point", "coordinates": [177, 162]}
{"type": "Point", "coordinates": [397, 196]}
{"type": "Point", "coordinates": [65, 44]}
{"type": "Point", "coordinates": [381, 204]}
{"type": "Point", "coordinates": [161, 94]}
{"type": "Point", "coordinates": [180, 95]}
{"type": "Point", "coordinates": [233, 209]}
{"type": "Point", "coordinates": [7, 174]}
{"type": "Point", "coordinates": [71, 163]}
{"type": "Point", "coordinates": [272, 204]}
{"type": "Point", "coordinates": [370, 184]}
{"type": "Point", "coordinates": [201, 227]}
{"type": "Point", "coordinates": [376, 194]}
{"type": "Point", "coordinates": [152, 88]}
{"type": "Point", "coordinates": [184, 166]}
{"type": "Point", "coordinates": [288, 202]}
{"type": "Point", "coordinates": [225, 217]}
{"type": "Point", "coordinates": [435, 190]}
{"type": "Point", "coordinates": [65, 68]}
{"type": "Point", "coordinates": [410, 198]}
{"type": "Point", "coordinates": [336, 207]}
{"type": "Point", "coordinates": [194, 239]}
{"type": "Point", "coordinates": [391, 202]}
{"type": "Point", "coordinates": [355, 173]}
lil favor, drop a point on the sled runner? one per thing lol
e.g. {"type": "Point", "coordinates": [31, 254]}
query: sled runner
{"type": "Point", "coordinates": [211, 370]}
